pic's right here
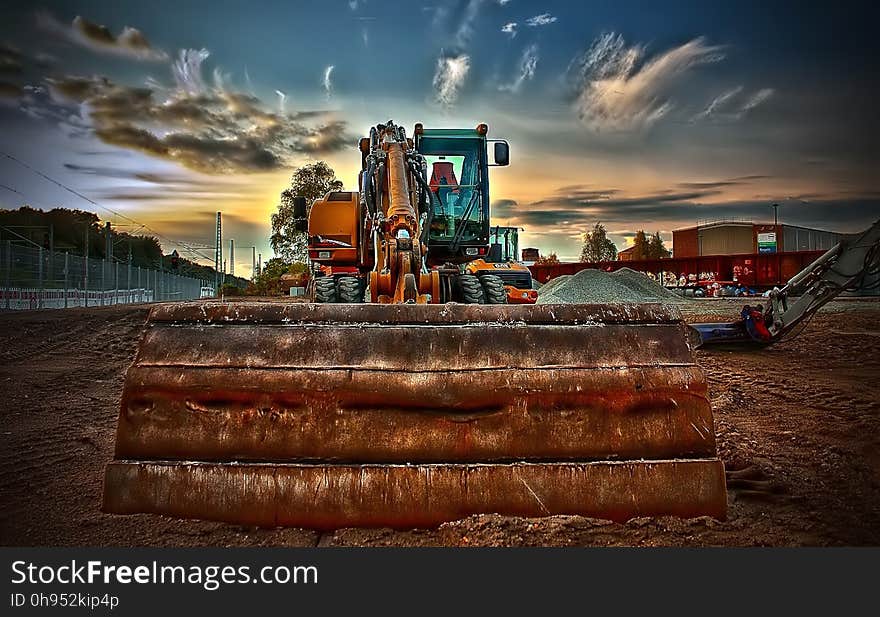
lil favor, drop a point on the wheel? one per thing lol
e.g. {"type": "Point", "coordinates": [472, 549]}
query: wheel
{"type": "Point", "coordinates": [493, 289]}
{"type": "Point", "coordinates": [469, 289]}
{"type": "Point", "coordinates": [348, 289]}
{"type": "Point", "coordinates": [325, 289]}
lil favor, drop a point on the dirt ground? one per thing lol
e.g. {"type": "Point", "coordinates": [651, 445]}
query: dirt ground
{"type": "Point", "coordinates": [798, 426]}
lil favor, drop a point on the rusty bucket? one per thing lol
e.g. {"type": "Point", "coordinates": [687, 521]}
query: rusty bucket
{"type": "Point", "coordinates": [327, 416]}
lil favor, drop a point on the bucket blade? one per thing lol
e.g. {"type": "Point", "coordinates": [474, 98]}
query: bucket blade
{"type": "Point", "coordinates": [413, 384]}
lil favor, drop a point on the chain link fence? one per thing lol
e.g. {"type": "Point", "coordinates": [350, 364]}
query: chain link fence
{"type": "Point", "coordinates": [34, 278]}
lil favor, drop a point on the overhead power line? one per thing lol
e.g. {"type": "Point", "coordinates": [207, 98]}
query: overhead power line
{"type": "Point", "coordinates": [190, 249]}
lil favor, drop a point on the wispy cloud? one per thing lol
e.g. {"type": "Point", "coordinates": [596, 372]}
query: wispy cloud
{"type": "Point", "coordinates": [326, 82]}
{"type": "Point", "coordinates": [541, 20]}
{"type": "Point", "coordinates": [719, 102]}
{"type": "Point", "coordinates": [617, 88]}
{"type": "Point", "coordinates": [756, 99]}
{"type": "Point", "coordinates": [528, 62]}
{"type": "Point", "coordinates": [282, 97]}
{"type": "Point", "coordinates": [730, 106]}
{"type": "Point", "coordinates": [465, 29]}
{"type": "Point", "coordinates": [130, 43]}
{"type": "Point", "coordinates": [187, 70]}
{"type": "Point", "coordinates": [509, 28]}
{"type": "Point", "coordinates": [449, 77]}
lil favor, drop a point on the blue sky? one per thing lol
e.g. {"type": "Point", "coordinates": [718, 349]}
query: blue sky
{"type": "Point", "coordinates": [640, 115]}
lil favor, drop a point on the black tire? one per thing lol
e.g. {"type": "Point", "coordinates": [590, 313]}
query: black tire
{"type": "Point", "coordinates": [349, 289]}
{"type": "Point", "coordinates": [325, 290]}
{"type": "Point", "coordinates": [493, 289]}
{"type": "Point", "coordinates": [469, 289]}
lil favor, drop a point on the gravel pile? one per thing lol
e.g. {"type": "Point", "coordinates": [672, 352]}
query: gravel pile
{"type": "Point", "coordinates": [652, 291]}
{"type": "Point", "coordinates": [598, 287]}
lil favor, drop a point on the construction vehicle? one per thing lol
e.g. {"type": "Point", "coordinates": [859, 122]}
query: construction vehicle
{"type": "Point", "coordinates": [501, 261]}
{"type": "Point", "coordinates": [409, 393]}
{"type": "Point", "coordinates": [852, 264]}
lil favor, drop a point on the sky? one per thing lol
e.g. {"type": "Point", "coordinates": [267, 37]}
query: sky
{"type": "Point", "coordinates": [637, 115]}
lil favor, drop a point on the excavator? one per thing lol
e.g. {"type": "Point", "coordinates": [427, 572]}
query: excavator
{"type": "Point", "coordinates": [850, 265]}
{"type": "Point", "coordinates": [409, 391]}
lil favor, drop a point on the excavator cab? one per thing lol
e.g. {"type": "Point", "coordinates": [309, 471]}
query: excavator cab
{"type": "Point", "coordinates": [458, 163]}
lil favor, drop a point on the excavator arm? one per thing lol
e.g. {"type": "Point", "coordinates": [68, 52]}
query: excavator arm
{"type": "Point", "coordinates": [845, 267]}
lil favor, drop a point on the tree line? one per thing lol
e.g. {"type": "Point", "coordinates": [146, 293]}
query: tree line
{"type": "Point", "coordinates": [599, 247]}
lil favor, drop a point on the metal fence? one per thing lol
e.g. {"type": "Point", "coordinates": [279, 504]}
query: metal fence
{"type": "Point", "coordinates": [34, 278]}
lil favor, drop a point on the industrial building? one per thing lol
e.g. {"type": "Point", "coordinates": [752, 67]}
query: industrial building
{"type": "Point", "coordinates": [738, 237]}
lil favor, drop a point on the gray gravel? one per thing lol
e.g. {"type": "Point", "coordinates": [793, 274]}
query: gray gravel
{"type": "Point", "coordinates": [597, 287]}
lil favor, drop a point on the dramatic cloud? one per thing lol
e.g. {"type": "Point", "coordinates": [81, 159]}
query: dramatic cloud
{"type": "Point", "coordinates": [211, 129]}
{"type": "Point", "coordinates": [617, 88]}
{"type": "Point", "coordinates": [527, 64]}
{"type": "Point", "coordinates": [731, 106]}
{"type": "Point", "coordinates": [576, 207]}
{"type": "Point", "coordinates": [540, 20]}
{"type": "Point", "coordinates": [130, 43]}
{"type": "Point", "coordinates": [326, 83]}
{"type": "Point", "coordinates": [509, 28]}
{"type": "Point", "coordinates": [449, 76]}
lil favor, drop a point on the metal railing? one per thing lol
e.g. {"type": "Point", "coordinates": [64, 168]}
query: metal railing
{"type": "Point", "coordinates": [35, 278]}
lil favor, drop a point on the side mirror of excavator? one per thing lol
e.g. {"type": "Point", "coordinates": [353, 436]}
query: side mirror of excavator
{"type": "Point", "coordinates": [502, 153]}
{"type": "Point", "coordinates": [300, 214]}
{"type": "Point", "coordinates": [299, 207]}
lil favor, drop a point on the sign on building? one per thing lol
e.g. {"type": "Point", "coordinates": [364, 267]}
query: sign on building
{"type": "Point", "coordinates": [767, 242]}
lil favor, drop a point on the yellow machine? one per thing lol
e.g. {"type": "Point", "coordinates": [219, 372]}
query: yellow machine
{"type": "Point", "coordinates": [408, 392]}
{"type": "Point", "coordinates": [501, 262]}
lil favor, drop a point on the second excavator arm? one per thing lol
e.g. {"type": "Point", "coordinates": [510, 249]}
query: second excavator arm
{"type": "Point", "coordinates": [845, 267]}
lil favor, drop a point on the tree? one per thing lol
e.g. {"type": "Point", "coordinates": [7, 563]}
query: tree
{"type": "Point", "coordinates": [312, 182]}
{"type": "Point", "coordinates": [269, 282]}
{"type": "Point", "coordinates": [656, 249]}
{"type": "Point", "coordinates": [597, 245]}
{"type": "Point", "coordinates": [640, 242]}
{"type": "Point", "coordinates": [548, 260]}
